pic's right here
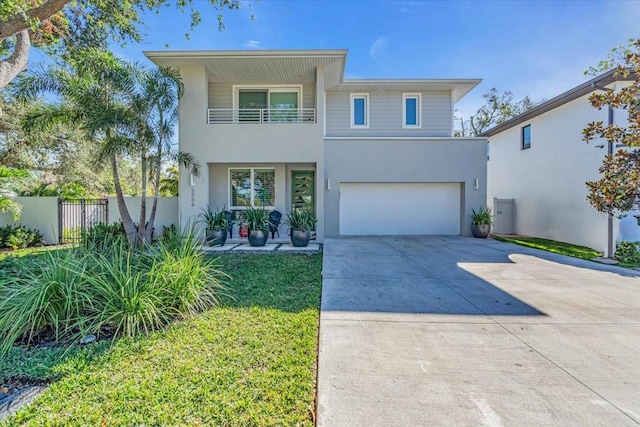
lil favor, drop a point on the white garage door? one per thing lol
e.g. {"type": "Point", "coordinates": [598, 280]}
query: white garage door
{"type": "Point", "coordinates": [399, 208]}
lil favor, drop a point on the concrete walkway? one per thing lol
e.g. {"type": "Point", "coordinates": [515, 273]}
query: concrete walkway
{"type": "Point", "coordinates": [425, 331]}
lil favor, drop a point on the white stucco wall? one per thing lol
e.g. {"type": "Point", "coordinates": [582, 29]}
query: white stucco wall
{"type": "Point", "coordinates": [40, 213]}
{"type": "Point", "coordinates": [547, 180]}
{"type": "Point", "coordinates": [166, 213]}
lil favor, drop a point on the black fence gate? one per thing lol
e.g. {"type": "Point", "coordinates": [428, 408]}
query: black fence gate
{"type": "Point", "coordinates": [76, 216]}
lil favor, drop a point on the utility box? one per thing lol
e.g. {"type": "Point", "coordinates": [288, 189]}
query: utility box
{"type": "Point", "coordinates": [504, 216]}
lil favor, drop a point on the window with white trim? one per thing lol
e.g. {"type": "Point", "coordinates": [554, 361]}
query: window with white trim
{"type": "Point", "coordinates": [411, 110]}
{"type": "Point", "coordinates": [252, 187]}
{"type": "Point", "coordinates": [359, 110]}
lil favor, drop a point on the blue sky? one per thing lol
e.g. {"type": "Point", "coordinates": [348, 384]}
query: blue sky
{"type": "Point", "coordinates": [536, 48]}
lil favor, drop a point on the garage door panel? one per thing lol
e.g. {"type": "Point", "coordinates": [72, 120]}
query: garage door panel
{"type": "Point", "coordinates": [399, 208]}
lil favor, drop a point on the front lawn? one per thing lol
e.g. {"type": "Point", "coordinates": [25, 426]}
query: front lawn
{"type": "Point", "coordinates": [250, 361]}
{"type": "Point", "coordinates": [552, 246]}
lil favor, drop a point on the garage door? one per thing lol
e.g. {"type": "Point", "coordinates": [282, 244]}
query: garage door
{"type": "Point", "coordinates": [399, 208]}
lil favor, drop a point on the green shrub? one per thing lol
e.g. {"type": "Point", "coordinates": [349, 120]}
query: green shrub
{"type": "Point", "coordinates": [627, 252]}
{"type": "Point", "coordinates": [19, 237]}
{"type": "Point", "coordinates": [111, 286]}
{"type": "Point", "coordinates": [48, 294]}
{"type": "Point", "coordinates": [102, 233]}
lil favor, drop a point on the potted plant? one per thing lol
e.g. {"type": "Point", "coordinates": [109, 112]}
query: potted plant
{"type": "Point", "coordinates": [217, 225]}
{"type": "Point", "coordinates": [257, 223]}
{"type": "Point", "coordinates": [481, 222]}
{"type": "Point", "coordinates": [301, 223]}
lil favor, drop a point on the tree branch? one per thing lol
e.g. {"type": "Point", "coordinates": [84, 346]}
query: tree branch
{"type": "Point", "coordinates": [18, 23]}
{"type": "Point", "coordinates": [17, 62]}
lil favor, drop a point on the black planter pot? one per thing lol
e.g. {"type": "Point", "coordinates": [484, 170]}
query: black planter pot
{"type": "Point", "coordinates": [480, 230]}
{"type": "Point", "coordinates": [300, 238]}
{"type": "Point", "coordinates": [258, 237]}
{"type": "Point", "coordinates": [216, 237]}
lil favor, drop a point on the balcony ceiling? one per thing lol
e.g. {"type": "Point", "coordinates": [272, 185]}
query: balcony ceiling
{"type": "Point", "coordinates": [255, 67]}
{"type": "Point", "coordinates": [459, 87]}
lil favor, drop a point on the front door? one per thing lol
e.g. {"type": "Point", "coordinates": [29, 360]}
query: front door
{"type": "Point", "coordinates": [303, 185]}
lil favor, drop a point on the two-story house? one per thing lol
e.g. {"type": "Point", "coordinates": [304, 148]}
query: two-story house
{"type": "Point", "coordinates": [540, 160]}
{"type": "Point", "coordinates": [284, 129]}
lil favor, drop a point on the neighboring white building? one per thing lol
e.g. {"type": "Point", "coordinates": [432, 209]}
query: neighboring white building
{"type": "Point", "coordinates": [540, 159]}
{"type": "Point", "coordinates": [283, 129]}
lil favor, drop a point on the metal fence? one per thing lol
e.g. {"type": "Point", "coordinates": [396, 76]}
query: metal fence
{"type": "Point", "coordinates": [76, 216]}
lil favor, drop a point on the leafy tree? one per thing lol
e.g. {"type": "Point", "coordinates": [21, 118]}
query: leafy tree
{"type": "Point", "coordinates": [57, 158]}
{"type": "Point", "coordinates": [498, 107]}
{"type": "Point", "coordinates": [170, 182]}
{"type": "Point", "coordinates": [79, 24]}
{"type": "Point", "coordinates": [619, 188]}
{"type": "Point", "coordinates": [117, 106]}
{"type": "Point", "coordinates": [9, 179]}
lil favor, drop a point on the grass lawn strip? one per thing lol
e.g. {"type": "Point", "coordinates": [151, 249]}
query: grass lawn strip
{"type": "Point", "coordinates": [251, 361]}
{"type": "Point", "coordinates": [552, 246]}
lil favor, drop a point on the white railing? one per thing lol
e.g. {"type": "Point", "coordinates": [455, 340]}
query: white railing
{"type": "Point", "coordinates": [248, 115]}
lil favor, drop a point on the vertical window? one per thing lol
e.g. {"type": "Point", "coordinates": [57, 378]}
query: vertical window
{"type": "Point", "coordinates": [411, 110]}
{"type": "Point", "coordinates": [526, 137]}
{"type": "Point", "coordinates": [359, 110]}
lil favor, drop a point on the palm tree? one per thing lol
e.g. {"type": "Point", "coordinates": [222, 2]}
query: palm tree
{"type": "Point", "coordinates": [122, 108]}
{"type": "Point", "coordinates": [154, 115]}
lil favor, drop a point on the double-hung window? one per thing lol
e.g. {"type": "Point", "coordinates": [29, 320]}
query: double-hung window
{"type": "Point", "coordinates": [411, 110]}
{"type": "Point", "coordinates": [359, 110]}
{"type": "Point", "coordinates": [526, 137]}
{"type": "Point", "coordinates": [252, 187]}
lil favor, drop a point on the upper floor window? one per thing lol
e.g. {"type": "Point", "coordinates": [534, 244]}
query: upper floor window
{"type": "Point", "coordinates": [273, 104]}
{"type": "Point", "coordinates": [411, 110]}
{"type": "Point", "coordinates": [526, 137]}
{"type": "Point", "coordinates": [359, 110]}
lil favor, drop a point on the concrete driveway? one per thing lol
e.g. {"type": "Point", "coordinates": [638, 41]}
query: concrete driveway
{"type": "Point", "coordinates": [461, 331]}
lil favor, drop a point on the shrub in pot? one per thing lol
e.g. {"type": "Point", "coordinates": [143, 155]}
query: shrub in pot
{"type": "Point", "coordinates": [301, 223]}
{"type": "Point", "coordinates": [256, 220]}
{"type": "Point", "coordinates": [481, 222]}
{"type": "Point", "coordinates": [217, 225]}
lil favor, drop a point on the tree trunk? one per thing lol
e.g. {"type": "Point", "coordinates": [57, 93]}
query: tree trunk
{"type": "Point", "coordinates": [142, 225]}
{"type": "Point", "coordinates": [156, 189]}
{"type": "Point", "coordinates": [17, 62]}
{"type": "Point", "coordinates": [127, 222]}
{"type": "Point", "coordinates": [22, 20]}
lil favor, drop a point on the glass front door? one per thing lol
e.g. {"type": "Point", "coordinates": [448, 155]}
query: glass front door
{"type": "Point", "coordinates": [303, 185]}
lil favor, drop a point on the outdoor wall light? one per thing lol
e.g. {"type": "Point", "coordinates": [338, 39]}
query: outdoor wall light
{"type": "Point", "coordinates": [476, 184]}
{"type": "Point", "coordinates": [192, 180]}
{"type": "Point", "coordinates": [328, 184]}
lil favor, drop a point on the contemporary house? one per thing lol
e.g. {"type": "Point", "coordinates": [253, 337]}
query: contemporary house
{"type": "Point", "coordinates": [540, 160]}
{"type": "Point", "coordinates": [284, 129]}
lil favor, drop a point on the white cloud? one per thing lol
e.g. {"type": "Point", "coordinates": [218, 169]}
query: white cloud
{"type": "Point", "coordinates": [377, 49]}
{"type": "Point", "coordinates": [253, 44]}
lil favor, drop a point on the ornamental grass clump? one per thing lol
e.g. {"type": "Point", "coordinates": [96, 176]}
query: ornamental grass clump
{"type": "Point", "coordinates": [108, 289]}
{"type": "Point", "coordinates": [50, 295]}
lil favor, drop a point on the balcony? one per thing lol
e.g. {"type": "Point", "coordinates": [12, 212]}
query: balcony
{"type": "Point", "coordinates": [261, 116]}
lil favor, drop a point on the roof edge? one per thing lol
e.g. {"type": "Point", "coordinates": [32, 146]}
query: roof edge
{"type": "Point", "coordinates": [242, 53]}
{"type": "Point", "coordinates": [564, 98]}
{"type": "Point", "coordinates": [409, 81]}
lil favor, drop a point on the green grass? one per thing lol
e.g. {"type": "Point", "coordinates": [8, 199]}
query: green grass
{"type": "Point", "coordinates": [552, 246]}
{"type": "Point", "coordinates": [250, 361]}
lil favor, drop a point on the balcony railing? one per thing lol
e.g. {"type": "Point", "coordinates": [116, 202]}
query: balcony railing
{"type": "Point", "coordinates": [249, 116]}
